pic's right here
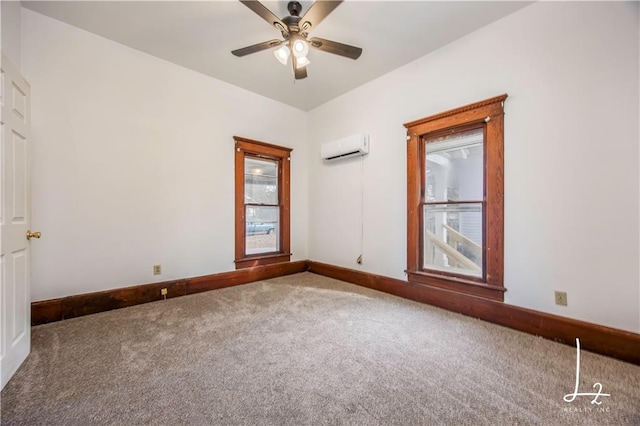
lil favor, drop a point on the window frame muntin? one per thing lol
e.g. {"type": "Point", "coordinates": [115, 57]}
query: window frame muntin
{"type": "Point", "coordinates": [282, 155]}
{"type": "Point", "coordinates": [491, 111]}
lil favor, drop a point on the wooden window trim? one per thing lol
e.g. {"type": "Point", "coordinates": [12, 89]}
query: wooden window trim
{"type": "Point", "coordinates": [491, 113]}
{"type": "Point", "coordinates": [282, 155]}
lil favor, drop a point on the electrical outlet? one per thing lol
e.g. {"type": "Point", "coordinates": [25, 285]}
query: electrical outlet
{"type": "Point", "coordinates": [157, 269]}
{"type": "Point", "coordinates": [163, 292]}
{"type": "Point", "coordinates": [561, 298]}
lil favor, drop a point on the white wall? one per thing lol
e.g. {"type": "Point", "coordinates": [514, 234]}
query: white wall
{"type": "Point", "coordinates": [133, 163]}
{"type": "Point", "coordinates": [10, 32]}
{"type": "Point", "coordinates": [571, 154]}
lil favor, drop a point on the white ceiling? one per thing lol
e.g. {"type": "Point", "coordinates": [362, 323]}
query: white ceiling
{"type": "Point", "coordinates": [201, 34]}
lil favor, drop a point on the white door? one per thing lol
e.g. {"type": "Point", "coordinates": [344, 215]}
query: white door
{"type": "Point", "coordinates": [15, 326]}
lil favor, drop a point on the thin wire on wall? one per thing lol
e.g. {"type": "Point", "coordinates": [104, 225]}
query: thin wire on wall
{"type": "Point", "coordinates": [359, 261]}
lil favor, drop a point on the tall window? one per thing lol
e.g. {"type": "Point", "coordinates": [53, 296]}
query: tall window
{"type": "Point", "coordinates": [455, 199]}
{"type": "Point", "coordinates": [262, 203]}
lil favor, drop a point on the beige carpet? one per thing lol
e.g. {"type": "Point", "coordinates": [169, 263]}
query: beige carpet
{"type": "Point", "coordinates": [305, 349]}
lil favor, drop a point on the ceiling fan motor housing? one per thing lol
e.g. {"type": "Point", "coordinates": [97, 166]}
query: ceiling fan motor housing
{"type": "Point", "coordinates": [292, 25]}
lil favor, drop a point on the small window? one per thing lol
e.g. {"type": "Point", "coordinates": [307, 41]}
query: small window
{"type": "Point", "coordinates": [262, 203]}
{"type": "Point", "coordinates": [455, 199]}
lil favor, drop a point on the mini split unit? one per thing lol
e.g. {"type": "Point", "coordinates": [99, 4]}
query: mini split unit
{"type": "Point", "coordinates": [351, 146]}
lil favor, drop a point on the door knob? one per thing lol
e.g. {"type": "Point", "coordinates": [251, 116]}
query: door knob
{"type": "Point", "coordinates": [33, 235]}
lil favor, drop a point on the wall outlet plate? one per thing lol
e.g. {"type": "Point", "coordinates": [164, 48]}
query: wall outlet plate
{"type": "Point", "coordinates": [157, 269]}
{"type": "Point", "coordinates": [561, 298]}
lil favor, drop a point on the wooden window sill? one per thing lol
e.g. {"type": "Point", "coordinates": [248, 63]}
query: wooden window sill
{"type": "Point", "coordinates": [260, 260]}
{"type": "Point", "coordinates": [458, 285]}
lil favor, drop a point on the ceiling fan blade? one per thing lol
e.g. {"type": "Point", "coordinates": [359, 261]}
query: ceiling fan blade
{"type": "Point", "coordinates": [256, 48]}
{"type": "Point", "coordinates": [335, 48]}
{"type": "Point", "coordinates": [262, 11]}
{"type": "Point", "coordinates": [299, 73]}
{"type": "Point", "coordinates": [316, 14]}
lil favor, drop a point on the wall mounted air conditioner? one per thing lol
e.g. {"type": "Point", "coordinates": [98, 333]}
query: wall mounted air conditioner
{"type": "Point", "coordinates": [351, 146]}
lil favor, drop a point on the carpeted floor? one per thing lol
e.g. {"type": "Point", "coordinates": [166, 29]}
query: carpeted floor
{"type": "Point", "coordinates": [305, 349]}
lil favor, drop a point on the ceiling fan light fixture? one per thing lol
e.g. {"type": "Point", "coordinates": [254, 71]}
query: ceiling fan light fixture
{"type": "Point", "coordinates": [303, 61]}
{"type": "Point", "coordinates": [300, 48]}
{"type": "Point", "coordinates": [282, 54]}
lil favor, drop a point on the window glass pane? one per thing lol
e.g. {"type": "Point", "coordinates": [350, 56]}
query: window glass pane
{"type": "Point", "coordinates": [453, 238]}
{"type": "Point", "coordinates": [262, 229]}
{"type": "Point", "coordinates": [260, 181]}
{"type": "Point", "coordinates": [455, 167]}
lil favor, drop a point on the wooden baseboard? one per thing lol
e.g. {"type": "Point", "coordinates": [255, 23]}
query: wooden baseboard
{"type": "Point", "coordinates": [608, 341]}
{"type": "Point", "coordinates": [244, 276]}
{"type": "Point", "coordinates": [85, 304]}
{"type": "Point", "coordinates": [46, 311]}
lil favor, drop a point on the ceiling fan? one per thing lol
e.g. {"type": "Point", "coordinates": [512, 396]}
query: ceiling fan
{"type": "Point", "coordinates": [295, 30]}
